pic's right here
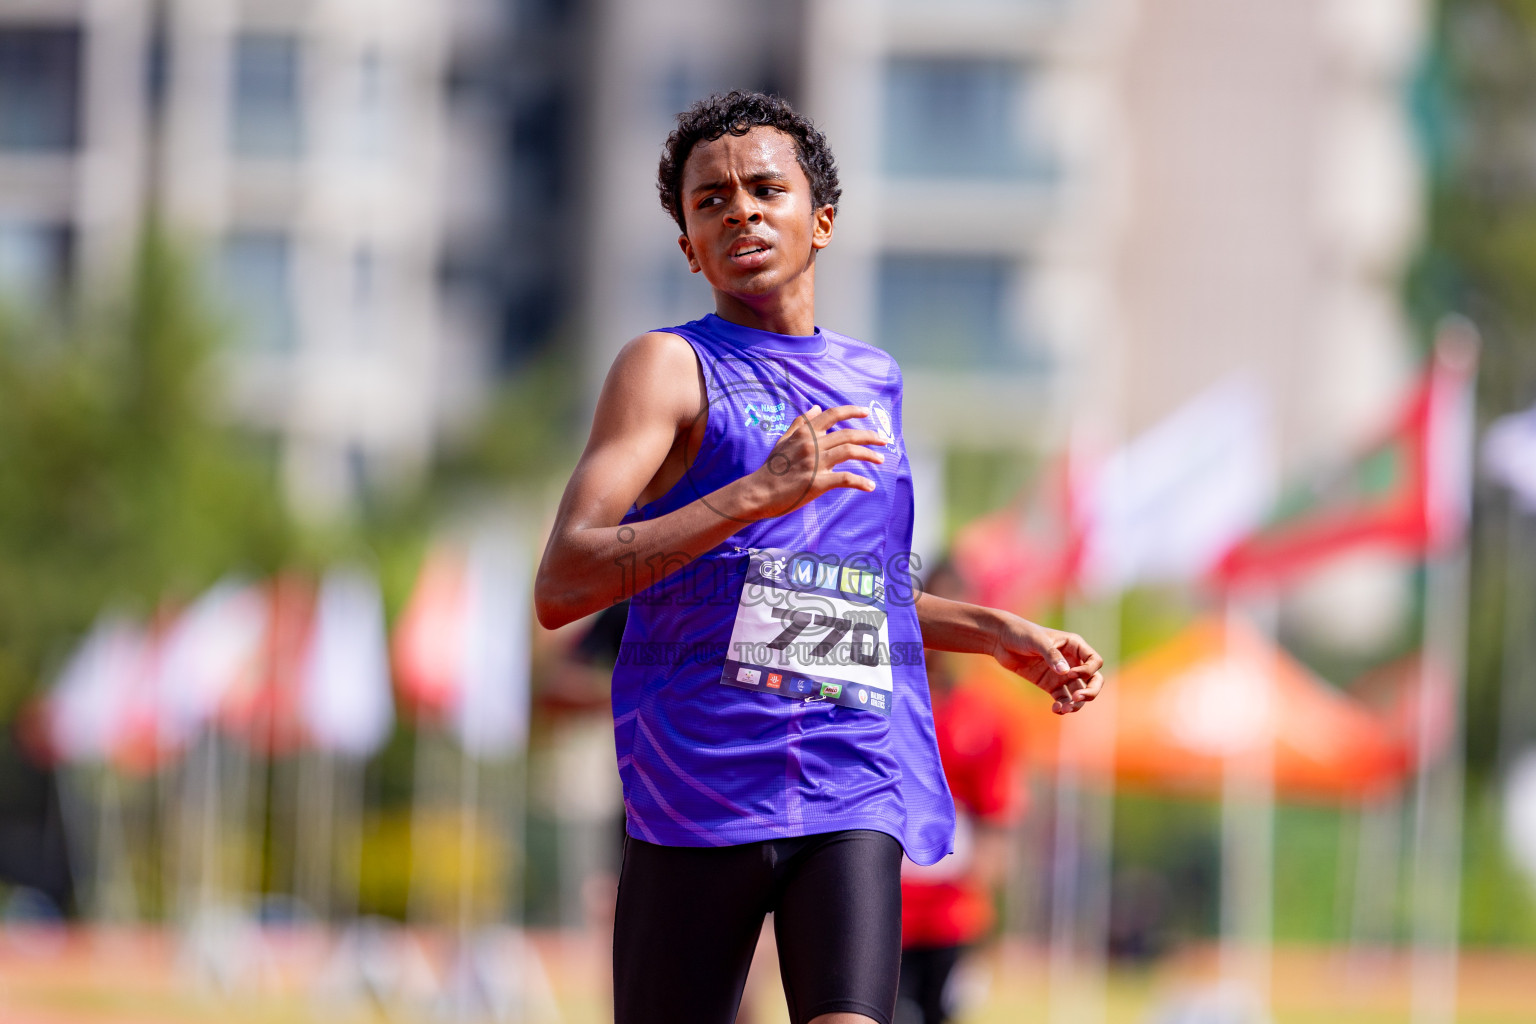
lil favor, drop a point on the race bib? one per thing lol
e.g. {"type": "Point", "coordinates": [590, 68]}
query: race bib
{"type": "Point", "coordinates": [810, 627]}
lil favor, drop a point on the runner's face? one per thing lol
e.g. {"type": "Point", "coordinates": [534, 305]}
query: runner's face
{"type": "Point", "coordinates": [752, 225]}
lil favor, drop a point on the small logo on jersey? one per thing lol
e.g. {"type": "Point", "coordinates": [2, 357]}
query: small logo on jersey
{"type": "Point", "coordinates": [767, 418]}
{"type": "Point", "coordinates": [748, 675]}
{"type": "Point", "coordinates": [831, 690]}
{"type": "Point", "coordinates": [877, 699]}
{"type": "Point", "coordinates": [863, 696]}
{"type": "Point", "coordinates": [775, 680]}
{"type": "Point", "coordinates": [880, 421]}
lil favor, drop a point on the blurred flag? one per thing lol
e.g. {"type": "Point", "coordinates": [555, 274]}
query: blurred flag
{"type": "Point", "coordinates": [86, 713]}
{"type": "Point", "coordinates": [264, 710]}
{"type": "Point", "coordinates": [1169, 504]}
{"type": "Point", "coordinates": [1509, 454]}
{"type": "Point", "coordinates": [140, 747]}
{"type": "Point", "coordinates": [345, 703]}
{"type": "Point", "coordinates": [1025, 554]}
{"type": "Point", "coordinates": [210, 650]}
{"type": "Point", "coordinates": [462, 646]}
{"type": "Point", "coordinates": [429, 639]}
{"type": "Point", "coordinates": [1409, 492]}
{"type": "Point", "coordinates": [492, 714]}
{"type": "Point", "coordinates": [1520, 813]}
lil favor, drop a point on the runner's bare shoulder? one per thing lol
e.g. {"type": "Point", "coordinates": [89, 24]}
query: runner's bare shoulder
{"type": "Point", "coordinates": [656, 374]}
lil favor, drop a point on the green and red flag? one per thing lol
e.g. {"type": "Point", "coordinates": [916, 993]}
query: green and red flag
{"type": "Point", "coordinates": [1408, 492]}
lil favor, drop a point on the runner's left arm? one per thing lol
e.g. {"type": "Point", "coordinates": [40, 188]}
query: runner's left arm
{"type": "Point", "coordinates": [1062, 664]}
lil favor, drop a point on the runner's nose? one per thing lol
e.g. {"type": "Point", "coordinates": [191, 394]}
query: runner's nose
{"type": "Point", "coordinates": [744, 210]}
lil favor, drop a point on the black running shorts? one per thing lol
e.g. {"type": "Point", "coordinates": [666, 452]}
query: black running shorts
{"type": "Point", "coordinates": [688, 919]}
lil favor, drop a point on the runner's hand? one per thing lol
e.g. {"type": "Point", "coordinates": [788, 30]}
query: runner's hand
{"type": "Point", "coordinates": [799, 469]}
{"type": "Point", "coordinates": [1061, 664]}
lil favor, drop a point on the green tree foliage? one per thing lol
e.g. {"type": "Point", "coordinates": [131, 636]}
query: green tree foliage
{"type": "Point", "coordinates": [1476, 104]}
{"type": "Point", "coordinates": [119, 484]}
{"type": "Point", "coordinates": [1476, 107]}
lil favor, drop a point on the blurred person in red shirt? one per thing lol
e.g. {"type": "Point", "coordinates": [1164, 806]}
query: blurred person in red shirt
{"type": "Point", "coordinates": [947, 909]}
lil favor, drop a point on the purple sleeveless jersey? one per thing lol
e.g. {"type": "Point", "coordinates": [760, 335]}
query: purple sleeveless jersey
{"type": "Point", "coordinates": [774, 687]}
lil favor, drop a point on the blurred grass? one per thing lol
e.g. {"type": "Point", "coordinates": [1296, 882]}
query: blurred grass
{"type": "Point", "coordinates": [1177, 839]}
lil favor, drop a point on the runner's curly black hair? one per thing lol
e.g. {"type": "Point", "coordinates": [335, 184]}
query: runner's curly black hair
{"type": "Point", "coordinates": [739, 112]}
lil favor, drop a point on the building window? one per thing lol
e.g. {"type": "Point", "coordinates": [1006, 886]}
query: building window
{"type": "Point", "coordinates": [373, 127]}
{"type": "Point", "coordinates": [258, 282]}
{"type": "Point", "coordinates": [950, 312]}
{"type": "Point", "coordinates": [541, 144]}
{"type": "Point", "coordinates": [368, 323]}
{"type": "Point", "coordinates": [682, 86]}
{"type": "Point", "coordinates": [267, 109]}
{"type": "Point", "coordinates": [951, 118]}
{"type": "Point", "coordinates": [39, 90]}
{"type": "Point", "coordinates": [34, 263]}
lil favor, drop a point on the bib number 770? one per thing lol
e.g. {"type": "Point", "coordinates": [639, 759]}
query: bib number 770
{"type": "Point", "coordinates": [863, 648]}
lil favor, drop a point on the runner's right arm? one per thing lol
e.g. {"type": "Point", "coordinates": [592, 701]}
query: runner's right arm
{"type": "Point", "coordinates": [648, 407]}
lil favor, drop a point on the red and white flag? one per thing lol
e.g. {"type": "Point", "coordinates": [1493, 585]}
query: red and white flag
{"type": "Point", "coordinates": [262, 709]}
{"type": "Point", "coordinates": [86, 714]}
{"type": "Point", "coordinates": [210, 650]}
{"type": "Point", "coordinates": [463, 645]}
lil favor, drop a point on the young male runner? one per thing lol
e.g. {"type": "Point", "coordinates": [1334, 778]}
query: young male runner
{"type": "Point", "coordinates": [770, 710]}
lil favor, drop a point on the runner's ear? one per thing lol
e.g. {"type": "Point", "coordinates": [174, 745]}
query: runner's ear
{"type": "Point", "coordinates": [687, 247]}
{"type": "Point", "coordinates": [821, 227]}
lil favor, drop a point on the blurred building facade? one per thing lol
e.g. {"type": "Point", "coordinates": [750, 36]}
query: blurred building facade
{"type": "Point", "coordinates": [350, 173]}
{"type": "Point", "coordinates": [1274, 202]}
{"type": "Point", "coordinates": [1055, 211]}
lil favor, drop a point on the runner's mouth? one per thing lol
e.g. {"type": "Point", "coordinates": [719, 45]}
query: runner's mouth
{"type": "Point", "coordinates": [749, 249]}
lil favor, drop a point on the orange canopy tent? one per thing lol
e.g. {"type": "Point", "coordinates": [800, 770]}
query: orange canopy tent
{"type": "Point", "coordinates": [1177, 715]}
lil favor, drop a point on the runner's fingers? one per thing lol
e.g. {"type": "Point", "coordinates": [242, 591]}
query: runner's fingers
{"type": "Point", "coordinates": [1061, 701]}
{"type": "Point", "coordinates": [1048, 646]}
{"type": "Point", "coordinates": [1089, 689]}
{"type": "Point", "coordinates": [1072, 695]}
{"type": "Point", "coordinates": [823, 419]}
{"type": "Point", "coordinates": [806, 417]}
{"type": "Point", "coordinates": [853, 480]}
{"type": "Point", "coordinates": [843, 452]}
{"type": "Point", "coordinates": [1089, 661]}
{"type": "Point", "coordinates": [805, 421]}
{"type": "Point", "coordinates": [814, 439]}
{"type": "Point", "coordinates": [850, 435]}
